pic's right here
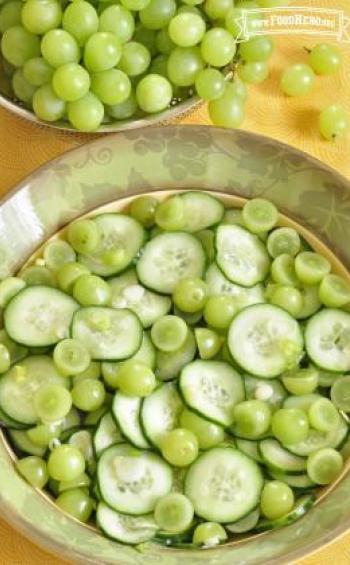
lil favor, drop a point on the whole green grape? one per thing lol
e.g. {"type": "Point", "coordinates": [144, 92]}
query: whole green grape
{"type": "Point", "coordinates": [59, 47]}
{"type": "Point", "coordinates": [333, 122]}
{"type": "Point", "coordinates": [325, 59]}
{"type": "Point", "coordinates": [153, 93]}
{"type": "Point", "coordinates": [186, 29]}
{"type": "Point", "coordinates": [46, 104]}
{"type": "Point", "coordinates": [217, 9]}
{"type": "Point", "coordinates": [210, 84]}
{"type": "Point", "coordinates": [23, 90]}
{"type": "Point", "coordinates": [111, 86]}
{"type": "Point", "coordinates": [297, 80]}
{"type": "Point", "coordinates": [227, 111]}
{"type": "Point", "coordinates": [218, 47]}
{"type": "Point", "coordinates": [71, 82]}
{"type": "Point", "coordinates": [253, 73]}
{"type": "Point", "coordinates": [157, 13]}
{"type": "Point", "coordinates": [118, 20]}
{"type": "Point", "coordinates": [124, 110]}
{"type": "Point", "coordinates": [40, 16]}
{"type": "Point", "coordinates": [37, 71]}
{"type": "Point", "coordinates": [87, 113]}
{"type": "Point", "coordinates": [102, 51]}
{"type": "Point", "coordinates": [80, 19]}
{"type": "Point", "coordinates": [135, 59]}
{"type": "Point", "coordinates": [10, 15]}
{"type": "Point", "coordinates": [18, 45]}
{"type": "Point", "coordinates": [183, 65]}
{"type": "Point", "coordinates": [257, 49]}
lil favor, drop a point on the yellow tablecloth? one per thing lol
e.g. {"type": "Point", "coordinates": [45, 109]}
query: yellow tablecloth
{"type": "Point", "coordinates": [23, 147]}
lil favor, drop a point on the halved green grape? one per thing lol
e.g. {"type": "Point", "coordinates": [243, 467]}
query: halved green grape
{"type": "Point", "coordinates": [218, 47]}
{"type": "Point", "coordinates": [283, 241]}
{"type": "Point", "coordinates": [80, 19]}
{"type": "Point", "coordinates": [259, 215]}
{"type": "Point", "coordinates": [325, 59]}
{"type": "Point", "coordinates": [323, 415]}
{"type": "Point", "coordinates": [283, 270]}
{"type": "Point", "coordinates": [34, 470]}
{"type": "Point", "coordinates": [207, 433]}
{"type": "Point", "coordinates": [59, 47]}
{"type": "Point", "coordinates": [91, 290]}
{"type": "Point", "coordinates": [87, 113]}
{"type": "Point", "coordinates": [163, 42]}
{"type": "Point", "coordinates": [210, 84]}
{"type": "Point", "coordinates": [65, 463]}
{"type": "Point", "coordinates": [297, 80]}
{"type": "Point", "coordinates": [277, 499]}
{"type": "Point", "coordinates": [183, 65]}
{"type": "Point", "coordinates": [5, 359]}
{"type": "Point", "coordinates": [179, 447]}
{"type": "Point", "coordinates": [125, 109]}
{"type": "Point", "coordinates": [154, 93]}
{"type": "Point", "coordinates": [102, 51]}
{"type": "Point", "coordinates": [47, 106]}
{"type": "Point", "coordinates": [253, 73]}
{"type": "Point", "coordinates": [186, 29]}
{"type": "Point", "coordinates": [71, 82]}
{"type": "Point", "coordinates": [333, 122]}
{"type": "Point", "coordinates": [10, 15]}
{"type": "Point", "coordinates": [219, 311]}
{"type": "Point", "coordinates": [135, 59]}
{"type": "Point", "coordinates": [52, 402]}
{"type": "Point", "coordinates": [207, 239]}
{"type": "Point", "coordinates": [135, 379]}
{"type": "Point", "coordinates": [93, 371]}
{"type": "Point", "coordinates": [287, 297]}
{"type": "Point", "coordinates": [68, 274]}
{"type": "Point", "coordinates": [19, 45]}
{"type": "Point", "coordinates": [334, 291]}
{"type": "Point", "coordinates": [252, 418]}
{"type": "Point", "coordinates": [71, 357]}
{"type": "Point", "coordinates": [82, 481]}
{"type": "Point", "coordinates": [190, 295]}
{"type": "Point", "coordinates": [208, 342]}
{"type": "Point", "coordinates": [38, 275]}
{"type": "Point", "coordinates": [217, 9]}
{"type": "Point", "coordinates": [143, 209]}
{"type": "Point", "coordinates": [88, 394]}
{"type": "Point", "coordinates": [157, 13]}
{"type": "Point", "coordinates": [170, 214]}
{"type": "Point", "coordinates": [209, 534]}
{"type": "Point", "coordinates": [301, 381]}
{"type": "Point", "coordinates": [256, 49]}
{"type": "Point", "coordinates": [77, 503]}
{"type": "Point", "coordinates": [169, 333]}
{"type": "Point", "coordinates": [9, 287]}
{"type": "Point", "coordinates": [40, 16]}
{"type": "Point", "coordinates": [290, 425]}
{"type": "Point", "coordinates": [324, 465]}
{"type": "Point", "coordinates": [174, 512]}
{"type": "Point", "coordinates": [111, 86]}
{"type": "Point", "coordinates": [58, 253]}
{"type": "Point", "coordinates": [311, 302]}
{"type": "Point", "coordinates": [310, 267]}
{"type": "Point", "coordinates": [118, 20]}
{"type": "Point", "coordinates": [83, 235]}
{"type": "Point", "coordinates": [43, 434]}
{"type": "Point", "coordinates": [37, 71]}
{"type": "Point", "coordinates": [340, 393]}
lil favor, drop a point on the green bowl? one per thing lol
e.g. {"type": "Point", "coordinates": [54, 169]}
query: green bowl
{"type": "Point", "coordinates": [137, 162]}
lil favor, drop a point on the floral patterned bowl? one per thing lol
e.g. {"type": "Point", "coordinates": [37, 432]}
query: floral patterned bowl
{"type": "Point", "coordinates": [167, 158]}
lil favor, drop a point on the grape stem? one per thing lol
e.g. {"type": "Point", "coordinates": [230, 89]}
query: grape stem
{"type": "Point", "coordinates": [307, 49]}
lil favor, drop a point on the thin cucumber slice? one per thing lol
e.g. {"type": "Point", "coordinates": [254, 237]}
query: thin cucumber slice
{"type": "Point", "coordinates": [201, 211]}
{"type": "Point", "coordinates": [301, 507]}
{"type": "Point", "coordinates": [7, 422]}
{"type": "Point", "coordinates": [17, 352]}
{"type": "Point", "coordinates": [168, 258]}
{"type": "Point", "coordinates": [272, 392]}
{"type": "Point", "coordinates": [126, 411]}
{"type": "Point", "coordinates": [327, 340]}
{"type": "Point", "coordinates": [123, 528]}
{"type": "Point", "coordinates": [128, 293]}
{"type": "Point", "coordinates": [278, 458]}
{"type": "Point", "coordinates": [106, 434]}
{"type": "Point", "coordinates": [160, 412]}
{"type": "Point", "coordinates": [107, 334]}
{"type": "Point", "coordinates": [295, 481]}
{"type": "Point", "coordinates": [39, 316]}
{"type": "Point", "coordinates": [250, 448]}
{"type": "Point", "coordinates": [132, 481]}
{"type": "Point", "coordinates": [318, 440]}
{"type": "Point", "coordinates": [22, 442]}
{"type": "Point", "coordinates": [245, 524]}
{"type": "Point", "coordinates": [118, 232]}
{"type": "Point", "coordinates": [265, 340]}
{"type": "Point", "coordinates": [212, 388]}
{"type": "Point", "coordinates": [218, 284]}
{"type": "Point", "coordinates": [242, 256]}
{"type": "Point", "coordinates": [169, 365]}
{"type": "Point", "coordinates": [224, 485]}
{"type": "Point", "coordinates": [19, 385]}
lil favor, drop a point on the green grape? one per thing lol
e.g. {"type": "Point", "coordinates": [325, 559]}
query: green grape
{"type": "Point", "coordinates": [190, 295]}
{"type": "Point", "coordinates": [83, 235]}
{"type": "Point", "coordinates": [19, 45]}
{"type": "Point", "coordinates": [170, 214]}
{"type": "Point", "coordinates": [71, 357]}
{"type": "Point", "coordinates": [102, 51]}
{"type": "Point", "coordinates": [334, 291]}
{"type": "Point", "coordinates": [52, 402]}
{"type": "Point", "coordinates": [118, 20]}
{"type": "Point", "coordinates": [257, 49]}
{"type": "Point", "coordinates": [88, 394]}
{"type": "Point", "coordinates": [77, 503]}
{"type": "Point", "coordinates": [68, 274]}
{"type": "Point", "coordinates": [135, 59]}
{"type": "Point", "coordinates": [209, 534]}
{"type": "Point", "coordinates": [323, 415]}
{"type": "Point", "coordinates": [311, 267]}
{"type": "Point", "coordinates": [283, 240]}
{"type": "Point", "coordinates": [23, 90]}
{"type": "Point", "coordinates": [259, 215]}
{"type": "Point", "coordinates": [174, 512]}
{"type": "Point", "coordinates": [125, 109]}
{"type": "Point", "coordinates": [187, 9]}
{"type": "Point", "coordinates": [143, 209]}
{"type": "Point", "coordinates": [209, 343]}
{"type": "Point", "coordinates": [301, 381]}
{"type": "Point", "coordinates": [325, 59]}
{"type": "Point", "coordinates": [91, 290]}
{"type": "Point", "coordinates": [207, 433]}
{"type": "Point", "coordinates": [252, 418]}
{"type": "Point", "coordinates": [157, 13]}
{"type": "Point", "coordinates": [186, 29]}
{"type": "Point", "coordinates": [58, 253]}
{"type": "Point", "coordinates": [47, 106]}
{"type": "Point", "coordinates": [217, 9]}
{"type": "Point", "coordinates": [38, 275]}
{"type": "Point", "coordinates": [34, 470]}
{"type": "Point", "coordinates": [135, 4]}
{"type": "Point", "coordinates": [253, 73]}
{"type": "Point", "coordinates": [227, 111]}
{"type": "Point", "coordinates": [82, 481]}
{"type": "Point", "coordinates": [80, 19]}
{"type": "Point", "coordinates": [5, 359]}
{"type": "Point", "coordinates": [283, 271]}
{"type": "Point", "coordinates": [287, 297]}
{"type": "Point", "coordinates": [136, 379]}
{"type": "Point", "coordinates": [340, 393]}
{"type": "Point", "coordinates": [277, 499]}
{"type": "Point", "coordinates": [93, 371]}
{"type": "Point", "coordinates": [290, 425]}
{"type": "Point", "coordinates": [219, 311]}
{"type": "Point", "coordinates": [237, 89]}
{"type": "Point", "coordinates": [9, 287]}
{"type": "Point", "coordinates": [234, 16]}
{"type": "Point", "coordinates": [193, 2]}
{"type": "Point", "coordinates": [218, 47]}
{"type": "Point", "coordinates": [169, 333]}
{"type": "Point", "coordinates": [37, 71]}
{"type": "Point", "coordinates": [147, 38]}
{"type": "Point", "coordinates": [87, 113]}
{"type": "Point", "coordinates": [40, 16]}
{"type": "Point", "coordinates": [43, 434]}
{"type": "Point", "coordinates": [297, 80]}
{"type": "Point", "coordinates": [183, 65]}
{"type": "Point", "coordinates": [207, 239]}
{"type": "Point", "coordinates": [71, 82]}
{"type": "Point", "coordinates": [163, 42]}
{"type": "Point", "coordinates": [65, 463]}
{"type": "Point", "coordinates": [10, 15]}
{"type": "Point", "coordinates": [333, 122]}
{"type": "Point", "coordinates": [59, 47]}
{"type": "Point", "coordinates": [179, 447]}
{"type": "Point", "coordinates": [154, 93]}
{"type": "Point", "coordinates": [159, 66]}
{"type": "Point", "coordinates": [324, 465]}
{"type": "Point", "coordinates": [111, 87]}
{"type": "Point", "coordinates": [210, 84]}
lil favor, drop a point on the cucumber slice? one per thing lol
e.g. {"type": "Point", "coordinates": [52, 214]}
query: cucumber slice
{"type": "Point", "coordinates": [117, 232]}
{"type": "Point", "coordinates": [106, 434]}
{"type": "Point", "coordinates": [327, 340]}
{"type": "Point", "coordinates": [160, 412]}
{"type": "Point", "coordinates": [19, 385]}
{"type": "Point", "coordinates": [7, 422]}
{"type": "Point", "coordinates": [212, 388]}
{"type": "Point", "coordinates": [108, 334]}
{"type": "Point", "coordinates": [318, 440]}
{"type": "Point", "coordinates": [132, 481]}
{"type": "Point", "coordinates": [272, 392]}
{"type": "Point", "coordinates": [22, 442]}
{"type": "Point", "coordinates": [128, 293]}
{"type": "Point", "coordinates": [295, 481]}
{"type": "Point", "coordinates": [250, 448]}
{"type": "Point", "coordinates": [169, 365]}
{"type": "Point", "coordinates": [168, 258]}
{"type": "Point", "coordinates": [224, 485]}
{"type": "Point", "coordinates": [17, 352]}
{"type": "Point", "coordinates": [278, 458]}
{"type": "Point", "coordinates": [126, 411]}
{"type": "Point", "coordinates": [265, 340]}
{"type": "Point", "coordinates": [39, 316]}
{"type": "Point", "coordinates": [242, 256]}
{"type": "Point", "coordinates": [123, 528]}
{"type": "Point", "coordinates": [245, 524]}
{"type": "Point", "coordinates": [201, 210]}
{"type": "Point", "coordinates": [301, 507]}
